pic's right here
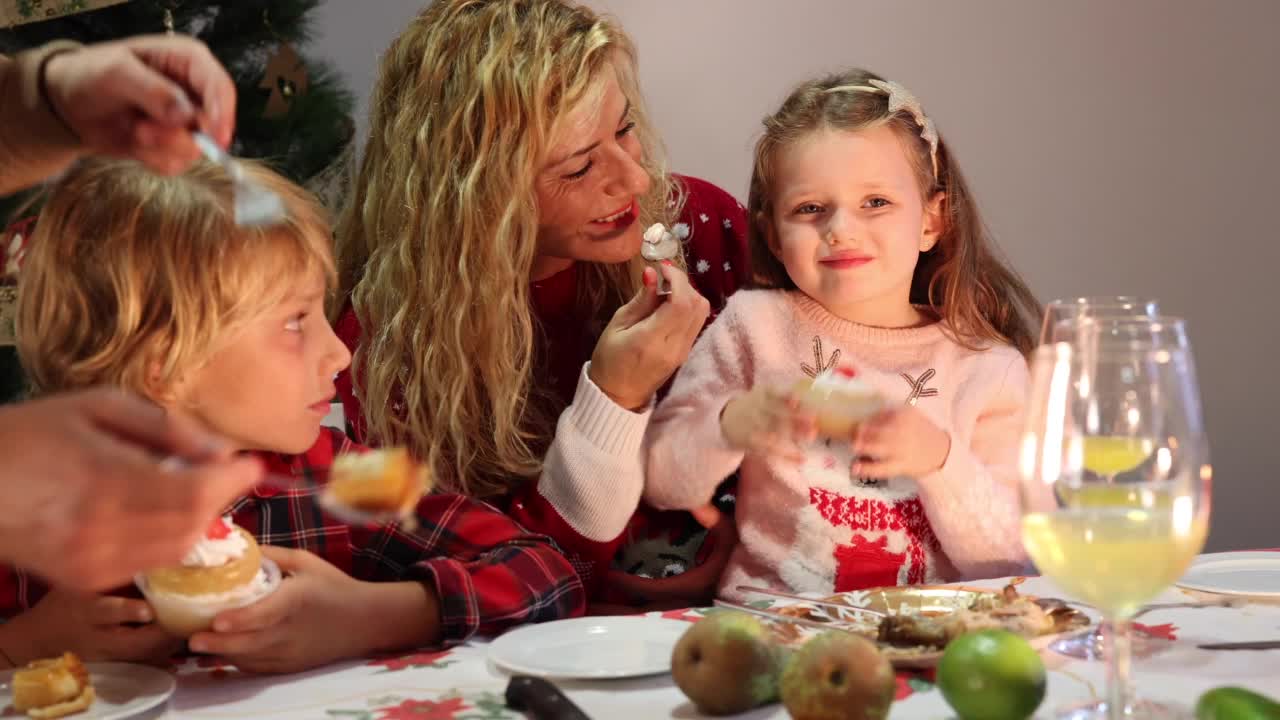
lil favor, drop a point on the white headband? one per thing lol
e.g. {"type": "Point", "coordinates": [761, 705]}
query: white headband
{"type": "Point", "coordinates": [901, 99]}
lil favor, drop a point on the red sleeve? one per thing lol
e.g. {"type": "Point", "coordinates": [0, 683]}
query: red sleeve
{"type": "Point", "coordinates": [488, 573]}
{"type": "Point", "coordinates": [716, 243]}
{"type": "Point", "coordinates": [590, 559]}
{"type": "Point", "coordinates": [347, 328]}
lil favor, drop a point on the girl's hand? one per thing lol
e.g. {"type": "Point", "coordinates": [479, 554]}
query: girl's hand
{"type": "Point", "coordinates": [769, 422]}
{"type": "Point", "coordinates": [900, 441]}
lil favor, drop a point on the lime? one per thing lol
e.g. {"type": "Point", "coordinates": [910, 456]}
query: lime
{"type": "Point", "coordinates": [1233, 703]}
{"type": "Point", "coordinates": [992, 675]}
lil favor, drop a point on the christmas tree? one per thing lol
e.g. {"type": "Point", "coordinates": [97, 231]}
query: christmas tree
{"type": "Point", "coordinates": [292, 112]}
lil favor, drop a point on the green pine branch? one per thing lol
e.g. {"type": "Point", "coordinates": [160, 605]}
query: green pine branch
{"type": "Point", "coordinates": [244, 35]}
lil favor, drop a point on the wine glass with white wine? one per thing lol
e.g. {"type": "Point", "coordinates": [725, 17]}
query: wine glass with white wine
{"type": "Point", "coordinates": [1110, 456]}
{"type": "Point", "coordinates": [1114, 544]}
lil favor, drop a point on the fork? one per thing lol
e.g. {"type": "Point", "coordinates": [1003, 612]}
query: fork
{"type": "Point", "coordinates": [345, 513]}
{"type": "Point", "coordinates": [835, 625]}
{"type": "Point", "coordinates": [811, 601]}
{"type": "Point", "coordinates": [349, 515]}
{"type": "Point", "coordinates": [254, 205]}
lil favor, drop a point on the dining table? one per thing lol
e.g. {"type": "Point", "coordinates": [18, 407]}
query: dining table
{"type": "Point", "coordinates": [463, 683]}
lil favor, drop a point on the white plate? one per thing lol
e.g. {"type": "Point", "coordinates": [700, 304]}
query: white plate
{"type": "Point", "coordinates": [1235, 573]}
{"type": "Point", "coordinates": [123, 690]}
{"type": "Point", "coordinates": [590, 648]}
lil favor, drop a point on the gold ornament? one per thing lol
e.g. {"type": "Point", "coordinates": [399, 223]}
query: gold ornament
{"type": "Point", "coordinates": [20, 12]}
{"type": "Point", "coordinates": [286, 78]}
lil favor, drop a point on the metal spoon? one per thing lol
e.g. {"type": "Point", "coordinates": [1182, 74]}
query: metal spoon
{"type": "Point", "coordinates": [254, 205]}
{"type": "Point", "coordinates": [330, 504]}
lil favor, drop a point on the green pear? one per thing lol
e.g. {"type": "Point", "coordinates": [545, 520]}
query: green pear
{"type": "Point", "coordinates": [838, 676]}
{"type": "Point", "coordinates": [727, 663]}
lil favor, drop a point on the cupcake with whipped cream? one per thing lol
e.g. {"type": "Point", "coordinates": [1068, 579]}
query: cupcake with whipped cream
{"type": "Point", "coordinates": [224, 570]}
{"type": "Point", "coordinates": [839, 400]}
{"type": "Point", "coordinates": [659, 244]}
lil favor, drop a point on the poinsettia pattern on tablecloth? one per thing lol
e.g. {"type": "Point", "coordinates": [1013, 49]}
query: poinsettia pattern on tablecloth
{"type": "Point", "coordinates": [418, 660]}
{"type": "Point", "coordinates": [478, 706]}
{"type": "Point", "coordinates": [1167, 631]}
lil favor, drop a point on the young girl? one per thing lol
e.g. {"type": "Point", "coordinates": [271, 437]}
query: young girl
{"type": "Point", "coordinates": [143, 282]}
{"type": "Point", "coordinates": [877, 274]}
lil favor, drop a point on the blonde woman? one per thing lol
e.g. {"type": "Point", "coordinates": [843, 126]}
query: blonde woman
{"type": "Point", "coordinates": [503, 323]}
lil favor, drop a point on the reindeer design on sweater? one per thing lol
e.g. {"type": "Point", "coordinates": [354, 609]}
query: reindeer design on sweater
{"type": "Point", "coordinates": [891, 542]}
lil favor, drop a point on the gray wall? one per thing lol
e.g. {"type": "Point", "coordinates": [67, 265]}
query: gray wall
{"type": "Point", "coordinates": [1114, 147]}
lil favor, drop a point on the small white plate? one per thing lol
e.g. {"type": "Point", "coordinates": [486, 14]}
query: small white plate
{"type": "Point", "coordinates": [590, 648]}
{"type": "Point", "coordinates": [1235, 573]}
{"type": "Point", "coordinates": [123, 690]}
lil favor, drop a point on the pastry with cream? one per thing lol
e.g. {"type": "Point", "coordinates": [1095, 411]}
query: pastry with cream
{"type": "Point", "coordinates": [659, 244]}
{"type": "Point", "coordinates": [52, 688]}
{"type": "Point", "coordinates": [224, 570]}
{"type": "Point", "coordinates": [377, 482]}
{"type": "Point", "coordinates": [839, 400]}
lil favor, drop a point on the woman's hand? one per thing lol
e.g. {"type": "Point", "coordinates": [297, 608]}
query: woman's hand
{"type": "Point", "coordinates": [648, 339]}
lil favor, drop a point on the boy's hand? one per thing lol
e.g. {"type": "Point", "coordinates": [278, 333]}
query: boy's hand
{"type": "Point", "coordinates": [319, 615]}
{"type": "Point", "coordinates": [900, 441]}
{"type": "Point", "coordinates": [92, 626]}
{"type": "Point", "coordinates": [769, 422]}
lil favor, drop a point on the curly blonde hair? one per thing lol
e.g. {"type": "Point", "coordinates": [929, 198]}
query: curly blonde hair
{"type": "Point", "coordinates": [133, 280]}
{"type": "Point", "coordinates": [436, 246]}
{"type": "Point", "coordinates": [963, 279]}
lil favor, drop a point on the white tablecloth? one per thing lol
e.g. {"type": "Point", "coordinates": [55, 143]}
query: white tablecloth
{"type": "Point", "coordinates": [460, 683]}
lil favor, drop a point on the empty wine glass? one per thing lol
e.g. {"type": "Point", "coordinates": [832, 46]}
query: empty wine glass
{"type": "Point", "coordinates": [1056, 312]}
